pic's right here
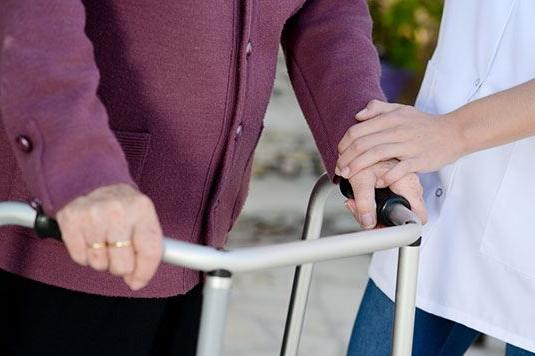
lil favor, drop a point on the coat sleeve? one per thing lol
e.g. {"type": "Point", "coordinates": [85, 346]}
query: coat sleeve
{"type": "Point", "coordinates": [48, 100]}
{"type": "Point", "coordinates": [333, 66]}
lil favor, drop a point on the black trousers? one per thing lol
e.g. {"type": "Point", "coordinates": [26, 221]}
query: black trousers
{"type": "Point", "coordinates": [38, 319]}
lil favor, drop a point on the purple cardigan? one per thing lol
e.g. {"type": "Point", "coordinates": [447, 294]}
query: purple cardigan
{"type": "Point", "coordinates": [168, 96]}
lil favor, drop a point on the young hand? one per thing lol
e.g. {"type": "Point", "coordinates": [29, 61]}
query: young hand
{"type": "Point", "coordinates": [420, 141]}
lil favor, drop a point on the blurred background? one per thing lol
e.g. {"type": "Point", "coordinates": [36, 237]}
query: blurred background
{"type": "Point", "coordinates": [285, 169]}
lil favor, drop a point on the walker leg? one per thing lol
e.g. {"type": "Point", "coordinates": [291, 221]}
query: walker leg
{"type": "Point", "coordinates": [214, 313]}
{"type": "Point", "coordinates": [303, 273]}
{"type": "Point", "coordinates": [296, 310]}
{"type": "Point", "coordinates": [405, 299]}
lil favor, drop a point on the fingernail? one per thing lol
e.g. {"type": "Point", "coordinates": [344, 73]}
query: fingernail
{"type": "Point", "coordinates": [337, 171]}
{"type": "Point", "coordinates": [367, 220]}
{"type": "Point", "coordinates": [361, 112]}
{"type": "Point", "coordinates": [345, 172]}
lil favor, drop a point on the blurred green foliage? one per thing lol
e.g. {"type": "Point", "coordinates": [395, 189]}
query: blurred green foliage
{"type": "Point", "coordinates": [405, 31]}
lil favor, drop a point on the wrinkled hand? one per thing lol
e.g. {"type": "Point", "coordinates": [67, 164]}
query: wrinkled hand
{"type": "Point", "coordinates": [364, 182]}
{"type": "Point", "coordinates": [421, 142]}
{"type": "Point", "coordinates": [91, 224]}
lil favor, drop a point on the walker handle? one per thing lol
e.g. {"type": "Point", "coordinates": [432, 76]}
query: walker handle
{"type": "Point", "coordinates": [384, 197]}
{"type": "Point", "coordinates": [46, 227]}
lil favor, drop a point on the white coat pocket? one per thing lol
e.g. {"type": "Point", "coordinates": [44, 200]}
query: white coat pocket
{"type": "Point", "coordinates": [509, 237]}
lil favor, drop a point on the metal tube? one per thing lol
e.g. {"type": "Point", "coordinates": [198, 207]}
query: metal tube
{"type": "Point", "coordinates": [407, 278]}
{"type": "Point", "coordinates": [291, 253]}
{"type": "Point", "coordinates": [17, 213]}
{"type": "Point", "coordinates": [214, 313]}
{"type": "Point", "coordinates": [400, 215]}
{"type": "Point", "coordinates": [303, 273]}
{"type": "Point", "coordinates": [204, 258]}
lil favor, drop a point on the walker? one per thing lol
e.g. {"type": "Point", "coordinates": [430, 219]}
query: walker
{"type": "Point", "coordinates": [393, 211]}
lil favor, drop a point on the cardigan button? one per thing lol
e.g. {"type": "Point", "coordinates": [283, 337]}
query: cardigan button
{"type": "Point", "coordinates": [249, 49]}
{"type": "Point", "coordinates": [36, 204]}
{"type": "Point", "coordinates": [239, 130]}
{"type": "Point", "coordinates": [24, 144]}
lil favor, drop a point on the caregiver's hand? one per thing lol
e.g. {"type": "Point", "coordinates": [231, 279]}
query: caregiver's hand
{"type": "Point", "coordinates": [114, 228]}
{"type": "Point", "coordinates": [363, 183]}
{"type": "Point", "coordinates": [421, 142]}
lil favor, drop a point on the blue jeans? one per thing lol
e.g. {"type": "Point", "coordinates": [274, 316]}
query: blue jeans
{"type": "Point", "coordinates": [433, 335]}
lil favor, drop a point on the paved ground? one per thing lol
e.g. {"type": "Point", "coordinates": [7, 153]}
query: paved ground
{"type": "Point", "coordinates": [286, 168]}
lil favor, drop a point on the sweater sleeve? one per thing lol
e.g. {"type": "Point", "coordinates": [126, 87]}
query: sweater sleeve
{"type": "Point", "coordinates": [333, 66]}
{"type": "Point", "coordinates": [57, 126]}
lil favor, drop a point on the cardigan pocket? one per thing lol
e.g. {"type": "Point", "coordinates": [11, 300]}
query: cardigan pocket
{"type": "Point", "coordinates": [135, 146]}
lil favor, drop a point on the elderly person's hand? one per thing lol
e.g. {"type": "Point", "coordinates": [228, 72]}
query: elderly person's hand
{"type": "Point", "coordinates": [364, 182]}
{"type": "Point", "coordinates": [421, 142]}
{"type": "Point", "coordinates": [114, 228]}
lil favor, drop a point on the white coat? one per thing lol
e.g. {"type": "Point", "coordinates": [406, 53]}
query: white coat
{"type": "Point", "coordinates": [478, 253]}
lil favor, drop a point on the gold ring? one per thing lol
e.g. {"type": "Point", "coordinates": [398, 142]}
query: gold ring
{"type": "Point", "coordinates": [119, 244]}
{"type": "Point", "coordinates": [97, 245]}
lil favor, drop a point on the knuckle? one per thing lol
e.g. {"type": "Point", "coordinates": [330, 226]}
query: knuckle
{"type": "Point", "coordinates": [378, 152]}
{"type": "Point", "coordinates": [115, 210]}
{"type": "Point", "coordinates": [353, 132]}
{"type": "Point", "coordinates": [94, 211]}
{"type": "Point", "coordinates": [144, 201]}
{"type": "Point", "coordinates": [114, 205]}
{"type": "Point", "coordinates": [355, 166]}
{"type": "Point", "coordinates": [397, 132]}
{"type": "Point", "coordinates": [356, 146]}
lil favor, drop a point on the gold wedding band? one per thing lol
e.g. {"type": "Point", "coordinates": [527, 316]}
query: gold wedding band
{"type": "Point", "coordinates": [119, 244]}
{"type": "Point", "coordinates": [97, 245]}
